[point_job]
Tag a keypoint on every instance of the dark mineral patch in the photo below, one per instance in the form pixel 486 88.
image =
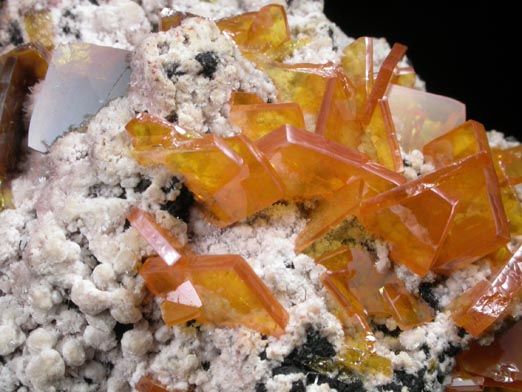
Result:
pixel 209 62
pixel 173 69
pixel 15 33
pixel 180 207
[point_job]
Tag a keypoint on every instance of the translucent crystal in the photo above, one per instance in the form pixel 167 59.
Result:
pixel 147 384
pixel 382 81
pixel 243 98
pixel 499 363
pixel 510 164
pixel 329 212
pixel 173 20
pixel 337 119
pixel 310 166
pixel 166 245
pixel 357 63
pixel 484 303
pixel 404 76
pixel 259 31
pixel 78 76
pixel 181 305
pixel 360 289
pixel 257 120
pixel 420 117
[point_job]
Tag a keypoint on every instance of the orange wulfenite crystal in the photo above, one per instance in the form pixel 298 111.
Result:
pixel 147 384
pixel 330 212
pixel 181 305
pixel 380 140
pixel 510 164
pixel 167 246
pixel 230 291
pixel 310 166
pixel 421 116
pixel 149 131
pixel 257 120
pixel 242 98
pixel 259 31
pixel 484 303
pixel 357 63
pixel 337 119
pixel 500 362
pixel 382 81
pixel 362 290
pixel 173 20
pixel 415 233
pixel 404 76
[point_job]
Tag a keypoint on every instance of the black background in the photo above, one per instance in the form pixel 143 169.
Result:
pixel 467 53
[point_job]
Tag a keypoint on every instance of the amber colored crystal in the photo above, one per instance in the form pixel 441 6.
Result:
pixel 19 69
pixel 380 141
pixel 499 258
pixel 173 20
pixel 414 233
pixel 256 187
pixel 309 165
pixel 484 303
pixel 479 217
pixel 407 311
pixel 149 131
pixel 243 98
pixel 147 384
pixel 257 120
pixel 500 363
pixel 356 355
pixel 329 212
pixel 158 277
pixel 421 116
pixel 357 63
pixel 232 294
pixel 337 119
pixel 181 305
pixel 382 81
pixel 509 162
pixel 362 290
pixel 39 27
pixel 461 142
pixel 304 84
pixel 404 76
pixel 259 31
pixel 207 164
pixel 165 244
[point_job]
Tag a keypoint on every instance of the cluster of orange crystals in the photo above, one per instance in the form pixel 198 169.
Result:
pixel 346 158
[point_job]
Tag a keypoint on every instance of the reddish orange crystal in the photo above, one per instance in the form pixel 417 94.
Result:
pixel 510 164
pixel 330 212
pixel 500 362
pixel 361 290
pixel 173 20
pixel 311 166
pixel 149 131
pixel 181 305
pixel 243 98
pixel 259 31
pixel 484 303
pixel 167 246
pixel 147 384
pixel 257 120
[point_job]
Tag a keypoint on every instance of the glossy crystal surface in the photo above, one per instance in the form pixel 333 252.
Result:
pixel 39 27
pixel 258 31
pixel 76 76
pixel 181 305
pixel 361 290
pixel 259 119
pixel 499 363
pixel 422 116
pixel 20 68
pixel 484 303
pixel 147 384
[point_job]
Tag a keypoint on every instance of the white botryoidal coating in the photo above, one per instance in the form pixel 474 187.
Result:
pixel 40 339
pixel 136 342
pixel 11 337
pixel 73 352
pixel 99 339
pixel 45 368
